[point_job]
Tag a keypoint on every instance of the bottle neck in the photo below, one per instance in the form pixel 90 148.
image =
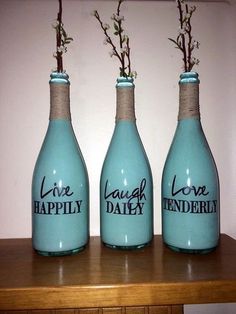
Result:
pixel 189 96
pixel 59 98
pixel 125 109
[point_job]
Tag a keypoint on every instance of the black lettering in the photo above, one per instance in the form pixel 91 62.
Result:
pixel 136 195
pixel 191 207
pixel 109 207
pixel 59 205
pixel 78 206
pixel 124 208
pixel 36 207
pixel 57 208
pixel 117 209
pixel 51 206
pixel 56 191
pixel 187 190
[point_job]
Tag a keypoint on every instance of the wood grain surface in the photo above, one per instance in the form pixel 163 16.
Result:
pixel 99 277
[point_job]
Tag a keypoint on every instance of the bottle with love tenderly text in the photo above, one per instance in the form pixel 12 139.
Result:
pixel 126 188
pixel 60 187
pixel 190 184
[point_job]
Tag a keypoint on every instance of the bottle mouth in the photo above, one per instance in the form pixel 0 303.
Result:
pixel 189 77
pixel 125 82
pixel 59 78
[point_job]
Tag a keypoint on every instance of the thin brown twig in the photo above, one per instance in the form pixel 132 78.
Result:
pixel 108 38
pixel 123 41
pixel 58 42
pixel 184 41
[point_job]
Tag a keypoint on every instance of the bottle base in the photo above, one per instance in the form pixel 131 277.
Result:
pixel 126 247
pixel 61 253
pixel 190 251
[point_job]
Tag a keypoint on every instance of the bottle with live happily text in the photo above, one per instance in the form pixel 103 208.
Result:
pixel 190 184
pixel 126 188
pixel 60 187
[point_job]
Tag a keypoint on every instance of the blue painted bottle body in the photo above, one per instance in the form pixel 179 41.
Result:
pixel 60 187
pixel 190 184
pixel 126 188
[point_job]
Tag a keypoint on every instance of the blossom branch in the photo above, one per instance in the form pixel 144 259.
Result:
pixel 120 31
pixel 123 52
pixel 108 39
pixel 184 41
pixel 62 39
pixel 58 39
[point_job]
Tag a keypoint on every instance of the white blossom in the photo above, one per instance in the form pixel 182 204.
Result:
pixel 94 12
pixel 193 8
pixel 55 24
pixel 194 61
pixel 105 42
pixel 134 74
pixel 124 49
pixel 61 49
pixel 182 31
pixel 121 18
pixel 196 44
pixel 187 16
pixel 117 17
pixel 112 53
pixel 125 38
pixel 113 17
pixel 106 26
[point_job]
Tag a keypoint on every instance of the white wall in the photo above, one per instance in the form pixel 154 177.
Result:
pixel 26 48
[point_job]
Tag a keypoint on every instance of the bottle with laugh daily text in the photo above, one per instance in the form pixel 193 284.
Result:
pixel 126 187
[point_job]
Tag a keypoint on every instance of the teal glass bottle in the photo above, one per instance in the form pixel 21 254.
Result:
pixel 190 184
pixel 126 188
pixel 60 187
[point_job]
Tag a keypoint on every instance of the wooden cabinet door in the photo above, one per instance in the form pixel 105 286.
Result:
pixel 170 309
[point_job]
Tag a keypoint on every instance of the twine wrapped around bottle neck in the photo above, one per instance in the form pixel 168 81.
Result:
pixel 125 103
pixel 59 101
pixel 189 101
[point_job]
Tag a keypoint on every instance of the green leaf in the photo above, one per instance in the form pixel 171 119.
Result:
pixel 116 27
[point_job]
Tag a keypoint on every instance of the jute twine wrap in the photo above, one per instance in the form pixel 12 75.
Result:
pixel 125 103
pixel 189 101
pixel 60 101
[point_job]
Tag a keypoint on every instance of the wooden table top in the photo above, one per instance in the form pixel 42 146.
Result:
pixel 99 276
